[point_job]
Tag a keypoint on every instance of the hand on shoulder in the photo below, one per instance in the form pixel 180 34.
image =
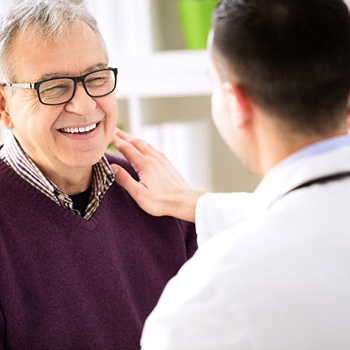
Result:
pixel 161 189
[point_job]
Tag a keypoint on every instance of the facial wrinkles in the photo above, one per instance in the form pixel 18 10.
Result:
pixel 26 98
pixel 32 104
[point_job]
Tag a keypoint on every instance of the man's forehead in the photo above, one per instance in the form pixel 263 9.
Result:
pixel 59 74
pixel 58 55
pixel 37 33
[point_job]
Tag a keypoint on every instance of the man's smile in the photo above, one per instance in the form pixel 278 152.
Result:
pixel 79 130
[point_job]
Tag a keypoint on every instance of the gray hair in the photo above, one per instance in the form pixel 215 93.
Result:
pixel 48 19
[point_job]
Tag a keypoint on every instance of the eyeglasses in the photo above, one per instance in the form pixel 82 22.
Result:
pixel 57 91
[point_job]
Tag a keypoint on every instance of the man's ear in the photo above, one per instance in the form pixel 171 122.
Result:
pixel 4 110
pixel 241 104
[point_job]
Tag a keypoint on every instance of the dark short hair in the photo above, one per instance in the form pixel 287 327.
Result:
pixel 291 56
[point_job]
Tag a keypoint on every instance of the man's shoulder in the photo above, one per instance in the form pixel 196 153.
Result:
pixel 116 159
pixel 120 160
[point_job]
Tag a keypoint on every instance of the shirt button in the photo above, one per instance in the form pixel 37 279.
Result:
pixel 61 197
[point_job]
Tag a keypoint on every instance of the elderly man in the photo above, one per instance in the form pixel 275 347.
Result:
pixel 81 265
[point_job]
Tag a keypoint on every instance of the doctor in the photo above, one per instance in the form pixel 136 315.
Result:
pixel 272 268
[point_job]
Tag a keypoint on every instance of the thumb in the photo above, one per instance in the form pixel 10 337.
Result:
pixel 135 189
pixel 124 179
pixel 121 176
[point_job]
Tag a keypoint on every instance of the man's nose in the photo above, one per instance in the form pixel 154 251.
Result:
pixel 81 102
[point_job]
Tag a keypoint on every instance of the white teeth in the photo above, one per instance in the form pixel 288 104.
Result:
pixel 79 130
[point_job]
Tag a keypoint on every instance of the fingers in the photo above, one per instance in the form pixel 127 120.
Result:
pixel 124 179
pixel 142 146
pixel 121 176
pixel 136 151
pixel 137 190
pixel 161 190
pixel 121 135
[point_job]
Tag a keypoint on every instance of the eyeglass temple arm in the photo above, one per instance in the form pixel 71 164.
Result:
pixel 19 85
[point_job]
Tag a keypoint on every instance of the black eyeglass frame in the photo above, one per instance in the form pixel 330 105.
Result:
pixel 76 80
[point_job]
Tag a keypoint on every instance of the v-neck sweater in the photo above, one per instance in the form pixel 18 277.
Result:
pixel 71 283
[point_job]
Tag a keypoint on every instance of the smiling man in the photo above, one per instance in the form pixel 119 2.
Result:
pixel 81 265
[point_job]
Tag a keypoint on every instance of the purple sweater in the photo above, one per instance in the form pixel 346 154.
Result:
pixel 69 283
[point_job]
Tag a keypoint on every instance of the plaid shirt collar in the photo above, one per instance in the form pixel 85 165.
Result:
pixel 102 177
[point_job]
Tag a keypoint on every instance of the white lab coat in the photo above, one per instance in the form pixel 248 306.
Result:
pixel 277 277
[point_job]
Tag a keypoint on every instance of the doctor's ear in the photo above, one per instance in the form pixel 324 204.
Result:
pixel 4 112
pixel 241 103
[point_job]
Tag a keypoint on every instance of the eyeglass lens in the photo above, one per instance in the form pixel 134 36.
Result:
pixel 61 90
